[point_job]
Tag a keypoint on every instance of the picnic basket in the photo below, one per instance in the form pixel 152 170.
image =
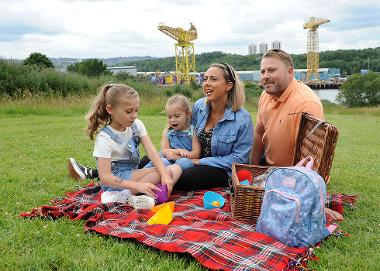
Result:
pixel 315 138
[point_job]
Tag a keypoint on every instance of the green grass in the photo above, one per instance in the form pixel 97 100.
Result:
pixel 34 147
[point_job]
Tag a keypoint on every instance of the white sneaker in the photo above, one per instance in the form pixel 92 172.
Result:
pixel 141 202
pixel 76 170
pixel 115 196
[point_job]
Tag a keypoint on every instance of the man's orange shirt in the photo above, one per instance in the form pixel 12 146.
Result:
pixel 281 125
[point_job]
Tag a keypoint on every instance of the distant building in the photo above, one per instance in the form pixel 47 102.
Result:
pixel 132 70
pixel 276 44
pixel 249 75
pixel 325 74
pixel 263 48
pixel 252 49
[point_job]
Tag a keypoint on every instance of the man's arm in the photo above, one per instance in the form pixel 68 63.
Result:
pixel 258 145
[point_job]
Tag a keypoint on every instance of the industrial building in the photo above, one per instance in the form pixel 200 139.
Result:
pixel 132 70
pixel 325 74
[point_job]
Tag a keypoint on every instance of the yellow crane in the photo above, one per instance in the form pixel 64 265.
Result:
pixel 313 47
pixel 184 50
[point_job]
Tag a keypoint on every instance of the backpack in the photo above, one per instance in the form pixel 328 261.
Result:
pixel 293 206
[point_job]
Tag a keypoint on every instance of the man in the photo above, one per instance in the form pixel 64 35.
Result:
pixel 278 119
pixel 279 110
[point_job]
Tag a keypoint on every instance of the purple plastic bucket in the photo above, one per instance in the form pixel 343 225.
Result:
pixel 162 196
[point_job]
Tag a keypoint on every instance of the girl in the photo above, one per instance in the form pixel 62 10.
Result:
pixel 116 148
pixel 178 140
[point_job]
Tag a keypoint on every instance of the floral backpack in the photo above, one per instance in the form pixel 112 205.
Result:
pixel 293 206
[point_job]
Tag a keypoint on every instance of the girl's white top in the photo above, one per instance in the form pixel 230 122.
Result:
pixel 106 147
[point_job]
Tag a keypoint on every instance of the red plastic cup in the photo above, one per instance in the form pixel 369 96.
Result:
pixel 162 196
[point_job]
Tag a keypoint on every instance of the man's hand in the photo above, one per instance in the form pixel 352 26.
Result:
pixel 333 215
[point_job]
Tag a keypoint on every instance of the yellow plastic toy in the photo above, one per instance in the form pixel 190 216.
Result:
pixel 158 207
pixel 163 216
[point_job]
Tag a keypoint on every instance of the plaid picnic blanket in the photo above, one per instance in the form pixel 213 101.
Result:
pixel 212 237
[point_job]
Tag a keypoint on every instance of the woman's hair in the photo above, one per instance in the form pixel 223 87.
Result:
pixel 109 94
pixel 236 95
pixel 182 101
pixel 281 55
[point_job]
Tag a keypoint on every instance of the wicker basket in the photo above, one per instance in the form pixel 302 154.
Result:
pixel 315 138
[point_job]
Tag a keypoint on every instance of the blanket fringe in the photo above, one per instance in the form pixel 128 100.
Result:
pixel 300 264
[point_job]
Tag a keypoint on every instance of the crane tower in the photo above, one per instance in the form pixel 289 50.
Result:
pixel 184 50
pixel 313 47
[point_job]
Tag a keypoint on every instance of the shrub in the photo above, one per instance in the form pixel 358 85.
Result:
pixel 39 60
pixel 360 90
pixel 252 89
pixel 16 79
pixel 90 67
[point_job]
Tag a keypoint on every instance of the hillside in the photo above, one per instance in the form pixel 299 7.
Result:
pixel 349 61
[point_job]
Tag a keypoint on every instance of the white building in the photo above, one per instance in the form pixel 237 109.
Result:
pixel 252 49
pixel 132 70
pixel 276 44
pixel 263 48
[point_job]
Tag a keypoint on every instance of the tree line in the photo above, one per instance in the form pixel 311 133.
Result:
pixel 349 61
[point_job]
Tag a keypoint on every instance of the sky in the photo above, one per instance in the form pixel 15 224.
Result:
pixel 114 28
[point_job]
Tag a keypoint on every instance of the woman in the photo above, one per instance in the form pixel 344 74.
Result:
pixel 223 127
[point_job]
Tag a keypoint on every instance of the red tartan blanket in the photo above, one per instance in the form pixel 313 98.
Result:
pixel 212 237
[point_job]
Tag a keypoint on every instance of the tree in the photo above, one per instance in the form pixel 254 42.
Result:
pixel 361 90
pixel 90 67
pixel 38 59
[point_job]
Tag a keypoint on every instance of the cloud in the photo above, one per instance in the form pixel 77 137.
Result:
pixel 71 28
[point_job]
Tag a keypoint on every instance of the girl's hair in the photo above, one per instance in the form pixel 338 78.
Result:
pixel 236 95
pixel 109 94
pixel 182 101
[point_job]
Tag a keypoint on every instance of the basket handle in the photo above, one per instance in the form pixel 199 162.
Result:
pixel 309 160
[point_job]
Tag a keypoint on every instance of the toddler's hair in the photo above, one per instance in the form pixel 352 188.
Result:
pixel 181 100
pixel 109 94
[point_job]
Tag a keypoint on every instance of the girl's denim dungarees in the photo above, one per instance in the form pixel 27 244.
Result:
pixel 178 140
pixel 123 168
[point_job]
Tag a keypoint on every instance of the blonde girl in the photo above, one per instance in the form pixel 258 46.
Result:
pixel 116 150
pixel 178 139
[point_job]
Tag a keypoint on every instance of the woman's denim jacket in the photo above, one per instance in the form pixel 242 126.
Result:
pixel 232 136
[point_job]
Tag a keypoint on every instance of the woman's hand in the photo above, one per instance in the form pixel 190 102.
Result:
pixel 147 189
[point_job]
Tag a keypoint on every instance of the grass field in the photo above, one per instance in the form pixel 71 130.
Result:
pixel 37 137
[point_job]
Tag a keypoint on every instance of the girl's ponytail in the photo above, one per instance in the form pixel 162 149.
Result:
pixel 98 114
pixel 109 94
